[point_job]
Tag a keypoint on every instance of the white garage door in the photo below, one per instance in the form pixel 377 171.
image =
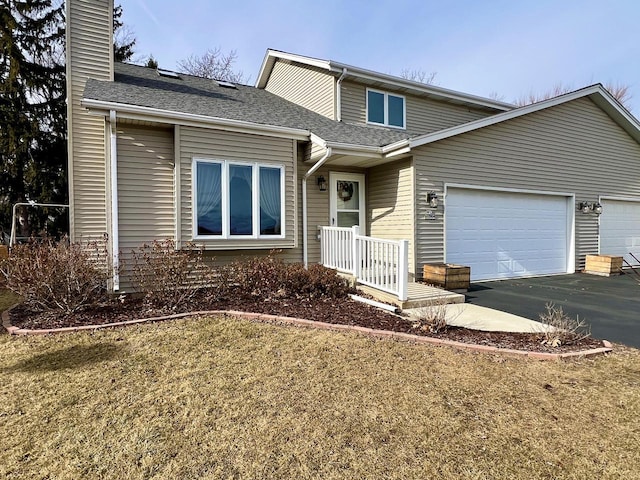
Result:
pixel 506 235
pixel 620 229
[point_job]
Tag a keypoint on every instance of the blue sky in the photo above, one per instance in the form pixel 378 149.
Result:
pixel 510 48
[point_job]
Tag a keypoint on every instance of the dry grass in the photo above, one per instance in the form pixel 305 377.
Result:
pixel 224 398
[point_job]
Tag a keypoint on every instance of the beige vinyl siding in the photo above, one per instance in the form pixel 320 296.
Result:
pixel 145 189
pixel 424 115
pixel 222 145
pixel 571 148
pixel 305 85
pixel 89 55
pixel 390 204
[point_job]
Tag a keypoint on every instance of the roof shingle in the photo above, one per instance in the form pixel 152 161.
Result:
pixel 141 86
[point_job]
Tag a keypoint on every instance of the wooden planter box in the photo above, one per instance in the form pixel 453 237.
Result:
pixel 447 275
pixel 4 252
pixel 604 265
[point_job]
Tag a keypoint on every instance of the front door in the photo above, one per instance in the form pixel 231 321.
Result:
pixel 347 200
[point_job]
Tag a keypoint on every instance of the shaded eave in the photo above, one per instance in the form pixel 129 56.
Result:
pixel 379 80
pixel 596 93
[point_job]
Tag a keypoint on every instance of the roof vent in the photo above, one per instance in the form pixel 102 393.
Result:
pixel 222 83
pixel 167 73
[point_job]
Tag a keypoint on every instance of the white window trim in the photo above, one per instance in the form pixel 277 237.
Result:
pixel 255 202
pixel 386 109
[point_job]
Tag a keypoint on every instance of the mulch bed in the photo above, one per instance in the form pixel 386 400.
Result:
pixel 337 311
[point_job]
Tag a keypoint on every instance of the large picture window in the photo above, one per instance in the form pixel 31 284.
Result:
pixel 385 109
pixel 238 200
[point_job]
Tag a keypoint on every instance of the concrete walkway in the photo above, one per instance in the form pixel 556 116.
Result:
pixel 482 318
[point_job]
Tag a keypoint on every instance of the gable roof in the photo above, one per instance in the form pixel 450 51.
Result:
pixel 597 93
pixel 140 90
pixel 379 80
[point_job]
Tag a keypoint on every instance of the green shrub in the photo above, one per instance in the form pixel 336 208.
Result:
pixel 58 276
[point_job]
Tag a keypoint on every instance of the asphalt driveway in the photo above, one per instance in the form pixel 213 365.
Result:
pixel 611 305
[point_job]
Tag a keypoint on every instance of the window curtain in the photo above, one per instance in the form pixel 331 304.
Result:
pixel 209 190
pixel 270 198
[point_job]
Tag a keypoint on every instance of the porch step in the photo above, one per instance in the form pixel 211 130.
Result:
pixel 419 295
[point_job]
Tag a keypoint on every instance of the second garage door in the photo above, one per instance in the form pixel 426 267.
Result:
pixel 507 234
pixel 620 229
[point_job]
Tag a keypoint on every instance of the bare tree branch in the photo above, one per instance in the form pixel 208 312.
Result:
pixel 213 64
pixel 619 91
pixel 417 75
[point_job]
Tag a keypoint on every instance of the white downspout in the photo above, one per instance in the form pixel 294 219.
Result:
pixel 315 167
pixel 339 95
pixel 115 243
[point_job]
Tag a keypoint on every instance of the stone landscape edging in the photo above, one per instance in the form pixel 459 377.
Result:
pixel 301 322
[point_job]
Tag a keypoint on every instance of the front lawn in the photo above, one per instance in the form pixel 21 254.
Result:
pixel 226 398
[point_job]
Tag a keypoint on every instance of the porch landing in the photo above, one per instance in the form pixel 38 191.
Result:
pixel 418 295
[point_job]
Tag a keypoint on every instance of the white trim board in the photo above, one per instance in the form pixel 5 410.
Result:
pixel 597 93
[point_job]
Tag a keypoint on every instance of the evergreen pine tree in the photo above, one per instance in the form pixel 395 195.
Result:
pixel 32 107
pixel 123 38
pixel 33 114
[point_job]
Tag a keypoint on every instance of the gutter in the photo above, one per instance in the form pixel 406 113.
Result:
pixel 339 95
pixel 115 235
pixel 137 112
pixel 313 169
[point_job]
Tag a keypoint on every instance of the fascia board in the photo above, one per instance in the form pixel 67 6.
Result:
pixel 317 140
pixel 390 150
pixel 429 89
pixel 352 149
pixel 272 55
pixel 595 91
pixel 136 112
pixel 357 72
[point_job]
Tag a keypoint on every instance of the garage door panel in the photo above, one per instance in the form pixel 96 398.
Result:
pixel 505 234
pixel 620 229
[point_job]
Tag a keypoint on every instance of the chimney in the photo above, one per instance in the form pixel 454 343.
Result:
pixel 89 54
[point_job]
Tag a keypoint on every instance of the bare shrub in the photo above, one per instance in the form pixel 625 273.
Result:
pixel 57 275
pixel 564 330
pixel 270 276
pixel 168 277
pixel 432 317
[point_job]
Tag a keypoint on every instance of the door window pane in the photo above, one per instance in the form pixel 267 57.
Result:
pixel 375 107
pixel 270 201
pixel 348 197
pixel 209 198
pixel 240 200
pixel 348 219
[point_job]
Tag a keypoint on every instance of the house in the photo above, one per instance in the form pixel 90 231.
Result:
pixel 320 146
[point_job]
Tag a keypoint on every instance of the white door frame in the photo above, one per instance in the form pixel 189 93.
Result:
pixel 356 177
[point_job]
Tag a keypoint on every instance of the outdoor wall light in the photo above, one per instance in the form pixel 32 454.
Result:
pixel 597 208
pixel 584 207
pixel 432 199
pixel 322 184
pixel 587 207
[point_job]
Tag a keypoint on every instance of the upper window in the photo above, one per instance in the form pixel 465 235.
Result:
pixel 238 200
pixel 385 109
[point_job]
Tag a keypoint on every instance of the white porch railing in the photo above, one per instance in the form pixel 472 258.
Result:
pixel 378 263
